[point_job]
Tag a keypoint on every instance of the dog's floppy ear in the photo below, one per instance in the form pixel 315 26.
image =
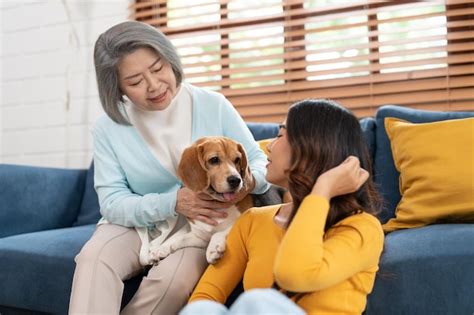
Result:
pixel 191 169
pixel 245 171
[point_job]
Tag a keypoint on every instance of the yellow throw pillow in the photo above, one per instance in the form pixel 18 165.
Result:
pixel 263 145
pixel 436 165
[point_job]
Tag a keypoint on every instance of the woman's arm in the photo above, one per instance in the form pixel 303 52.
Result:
pixel 307 261
pixel 220 279
pixel 118 204
pixel 310 259
pixel 235 128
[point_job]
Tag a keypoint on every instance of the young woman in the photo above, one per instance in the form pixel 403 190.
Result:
pixel 321 252
pixel 151 116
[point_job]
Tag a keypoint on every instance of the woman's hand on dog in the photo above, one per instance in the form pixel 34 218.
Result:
pixel 343 179
pixel 199 206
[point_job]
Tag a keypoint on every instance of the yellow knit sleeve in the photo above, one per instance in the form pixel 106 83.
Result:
pixel 308 260
pixel 220 279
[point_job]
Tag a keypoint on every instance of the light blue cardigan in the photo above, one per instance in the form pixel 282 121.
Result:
pixel 134 189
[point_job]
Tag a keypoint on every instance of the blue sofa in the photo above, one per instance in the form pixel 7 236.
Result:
pixel 46 216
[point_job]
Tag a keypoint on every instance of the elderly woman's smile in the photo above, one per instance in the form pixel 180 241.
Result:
pixel 147 80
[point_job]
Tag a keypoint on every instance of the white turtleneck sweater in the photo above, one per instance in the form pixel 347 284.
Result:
pixel 158 128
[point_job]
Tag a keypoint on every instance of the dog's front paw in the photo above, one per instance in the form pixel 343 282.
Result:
pixel 153 252
pixel 215 251
pixel 159 253
pixel 154 257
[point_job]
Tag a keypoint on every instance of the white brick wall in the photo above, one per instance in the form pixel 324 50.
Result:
pixel 48 94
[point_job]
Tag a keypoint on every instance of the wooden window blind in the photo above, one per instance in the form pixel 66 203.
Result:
pixel 265 55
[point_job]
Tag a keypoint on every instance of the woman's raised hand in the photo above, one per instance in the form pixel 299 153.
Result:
pixel 343 179
pixel 199 206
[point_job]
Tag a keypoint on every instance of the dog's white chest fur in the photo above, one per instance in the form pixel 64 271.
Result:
pixel 198 234
pixel 205 230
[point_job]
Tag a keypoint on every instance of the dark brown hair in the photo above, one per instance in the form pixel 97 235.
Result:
pixel 322 134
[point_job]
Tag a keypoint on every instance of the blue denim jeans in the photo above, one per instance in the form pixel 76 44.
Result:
pixel 252 302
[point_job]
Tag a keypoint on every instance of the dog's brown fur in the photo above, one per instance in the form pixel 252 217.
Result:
pixel 218 167
pixel 198 172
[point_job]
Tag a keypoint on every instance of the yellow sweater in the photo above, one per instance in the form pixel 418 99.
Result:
pixel 336 270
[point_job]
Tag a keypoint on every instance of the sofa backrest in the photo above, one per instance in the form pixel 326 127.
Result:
pixel 38 198
pixel 385 174
pixel 89 211
pixel 368 128
pixel 261 131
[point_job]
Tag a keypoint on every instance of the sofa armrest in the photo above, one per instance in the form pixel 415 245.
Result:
pixel 38 198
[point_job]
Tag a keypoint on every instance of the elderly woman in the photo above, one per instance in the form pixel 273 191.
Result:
pixel 152 115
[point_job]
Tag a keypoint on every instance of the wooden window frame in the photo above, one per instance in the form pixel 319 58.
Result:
pixel 456 76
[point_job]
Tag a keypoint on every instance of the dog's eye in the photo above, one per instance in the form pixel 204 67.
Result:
pixel 237 161
pixel 214 160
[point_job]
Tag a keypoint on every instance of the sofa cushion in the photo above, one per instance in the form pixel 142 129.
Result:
pixel 38 198
pixel 37 268
pixel 386 176
pixel 89 212
pixel 426 270
pixel 435 161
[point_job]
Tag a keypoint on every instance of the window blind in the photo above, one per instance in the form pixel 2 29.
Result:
pixel 265 55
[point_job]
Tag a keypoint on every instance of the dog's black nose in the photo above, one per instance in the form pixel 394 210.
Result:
pixel 233 181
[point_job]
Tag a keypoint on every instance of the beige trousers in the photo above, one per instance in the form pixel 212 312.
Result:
pixel 111 256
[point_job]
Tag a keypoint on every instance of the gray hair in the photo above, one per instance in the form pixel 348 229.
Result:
pixel 118 41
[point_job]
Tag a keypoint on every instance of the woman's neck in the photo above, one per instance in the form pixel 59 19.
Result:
pixel 283 215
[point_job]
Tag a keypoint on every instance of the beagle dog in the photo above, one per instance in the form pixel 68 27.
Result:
pixel 218 167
